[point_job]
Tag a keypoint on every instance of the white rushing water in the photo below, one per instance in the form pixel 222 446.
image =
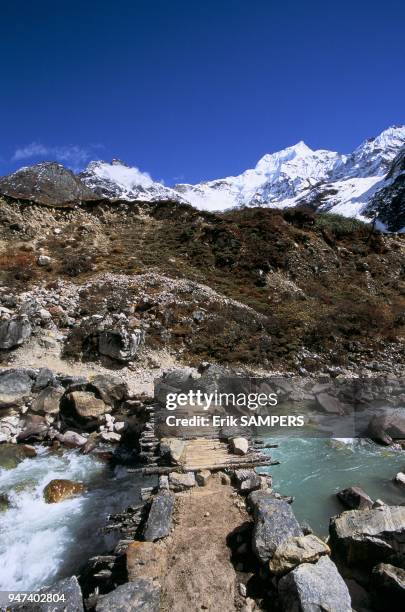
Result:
pixel 40 542
pixel 34 535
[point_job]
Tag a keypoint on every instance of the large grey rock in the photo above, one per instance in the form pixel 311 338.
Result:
pixel 48 400
pixel 120 343
pixel 355 498
pixel 240 446
pixel 174 448
pixel 10 427
pixel 247 480
pixel 35 428
pixel 274 523
pixel 369 536
pixel 182 482
pixel 14 332
pixel 294 551
pixel 111 389
pixel 44 379
pixel 69 588
pixel 388 426
pixel 46 183
pixel 389 581
pixel 72 439
pixel 313 587
pixel 330 404
pixel 159 521
pixel 140 595
pixel 15 387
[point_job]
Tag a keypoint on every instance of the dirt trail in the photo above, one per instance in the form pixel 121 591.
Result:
pixel 200 575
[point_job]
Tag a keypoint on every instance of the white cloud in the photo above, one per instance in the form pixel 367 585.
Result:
pixel 72 155
pixel 125 176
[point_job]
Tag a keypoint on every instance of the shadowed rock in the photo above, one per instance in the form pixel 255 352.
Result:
pixel 159 520
pixel 14 332
pixel 15 386
pixel 369 536
pixel 69 588
pixel 355 498
pixel 46 183
pixel 274 523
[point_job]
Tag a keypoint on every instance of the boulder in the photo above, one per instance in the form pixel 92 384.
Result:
pixel 314 586
pixel 110 436
pixel 12 454
pixel 294 551
pixel 44 260
pixel 159 521
pixel 59 489
pixel 174 448
pixel 15 387
pixel 71 439
pixel 389 582
pixel 45 378
pixel 387 426
pixel 174 381
pixel 140 595
pixel 240 446
pixel 120 344
pixel 87 405
pixel 111 389
pixel 48 400
pixel 181 482
pixel 10 427
pixel 247 480
pixel 355 498
pixel 274 523
pixel 400 478
pixel 203 478
pixel 145 560
pixel 69 588
pixel 330 404
pixel 14 332
pixel 35 428
pixel 369 536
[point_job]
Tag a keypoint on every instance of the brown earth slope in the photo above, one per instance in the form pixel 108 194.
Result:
pixel 330 290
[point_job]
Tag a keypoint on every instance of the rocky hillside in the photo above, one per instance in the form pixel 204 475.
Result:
pixel 289 290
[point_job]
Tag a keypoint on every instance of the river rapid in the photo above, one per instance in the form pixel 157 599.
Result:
pixel 41 543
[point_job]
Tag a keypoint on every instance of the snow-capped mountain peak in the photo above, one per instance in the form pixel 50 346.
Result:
pixel 322 179
pixel 276 177
pixel 118 181
pixel 271 161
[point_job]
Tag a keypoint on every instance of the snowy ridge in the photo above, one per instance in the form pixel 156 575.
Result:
pixel 322 179
pixel 117 181
pixel 358 184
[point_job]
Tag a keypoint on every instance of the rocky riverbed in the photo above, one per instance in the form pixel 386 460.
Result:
pixel 76 450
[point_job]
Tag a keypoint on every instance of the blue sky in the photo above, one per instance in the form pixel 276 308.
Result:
pixel 189 90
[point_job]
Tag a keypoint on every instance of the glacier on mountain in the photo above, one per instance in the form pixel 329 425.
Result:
pixel 297 175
